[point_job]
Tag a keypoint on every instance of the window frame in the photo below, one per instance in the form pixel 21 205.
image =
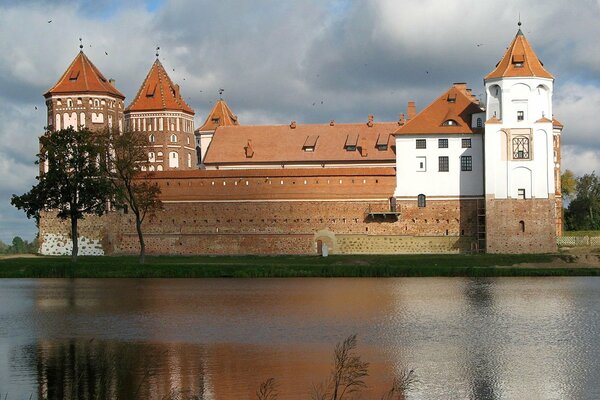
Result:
pixel 420 144
pixel 443 164
pixel 466 163
pixel 466 143
pixel 443 143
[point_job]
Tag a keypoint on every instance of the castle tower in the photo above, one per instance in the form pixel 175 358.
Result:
pixel 84 97
pixel 521 154
pixel 159 112
pixel 220 115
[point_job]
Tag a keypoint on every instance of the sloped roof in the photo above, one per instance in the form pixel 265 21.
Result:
pixel 283 144
pixel 556 123
pixel 159 93
pixel 519 60
pixel 456 104
pixel 220 115
pixel 82 76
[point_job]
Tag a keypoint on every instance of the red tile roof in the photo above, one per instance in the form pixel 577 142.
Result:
pixel 301 143
pixel 83 77
pixel 519 60
pixel 556 123
pixel 159 93
pixel 221 115
pixel 456 105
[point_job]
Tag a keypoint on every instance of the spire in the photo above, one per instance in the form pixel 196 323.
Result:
pixel 220 115
pixel 83 77
pixel 159 93
pixel 519 60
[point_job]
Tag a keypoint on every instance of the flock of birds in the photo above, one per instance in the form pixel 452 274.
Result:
pixel 222 90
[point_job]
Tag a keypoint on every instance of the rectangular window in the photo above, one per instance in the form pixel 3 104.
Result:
pixel 421 144
pixel 421 164
pixel 466 143
pixel 443 164
pixel 520 115
pixel 521 193
pixel 466 163
pixel 443 143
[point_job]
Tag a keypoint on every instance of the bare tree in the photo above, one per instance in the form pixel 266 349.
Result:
pixel 267 390
pixel 126 154
pixel 347 375
pixel 403 383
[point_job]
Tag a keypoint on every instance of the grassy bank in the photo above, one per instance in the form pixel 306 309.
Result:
pixel 292 266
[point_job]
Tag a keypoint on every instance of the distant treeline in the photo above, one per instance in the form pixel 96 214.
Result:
pixel 19 246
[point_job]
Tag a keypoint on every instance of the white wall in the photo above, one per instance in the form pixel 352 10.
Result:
pixel 505 175
pixel 412 181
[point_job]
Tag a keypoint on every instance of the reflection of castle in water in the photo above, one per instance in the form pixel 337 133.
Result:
pixel 91 369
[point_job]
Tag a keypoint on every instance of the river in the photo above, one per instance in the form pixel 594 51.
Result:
pixel 465 338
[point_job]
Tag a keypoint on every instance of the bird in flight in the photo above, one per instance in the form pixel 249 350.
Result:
pixel 36 107
pixel 106 53
pixel 49 21
pixel 480 44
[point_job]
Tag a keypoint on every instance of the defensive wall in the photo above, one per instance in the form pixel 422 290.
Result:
pixel 278 211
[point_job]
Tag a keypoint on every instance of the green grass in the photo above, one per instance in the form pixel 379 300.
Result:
pixel 581 233
pixel 286 266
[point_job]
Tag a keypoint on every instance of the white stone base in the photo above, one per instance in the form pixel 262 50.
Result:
pixel 61 245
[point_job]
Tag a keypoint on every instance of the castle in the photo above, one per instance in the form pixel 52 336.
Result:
pixel 455 177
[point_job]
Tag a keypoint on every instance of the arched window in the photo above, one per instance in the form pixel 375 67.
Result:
pixel 421 201
pixel 520 146
pixel 151 138
pixel 173 160
pixel 173 138
pixel 522 226
pixel 69 103
pixel 159 168
pixel 96 103
pixel 189 160
pixel 151 157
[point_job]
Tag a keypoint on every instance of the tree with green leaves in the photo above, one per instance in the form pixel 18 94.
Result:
pixel 584 209
pixel 126 154
pixel 70 182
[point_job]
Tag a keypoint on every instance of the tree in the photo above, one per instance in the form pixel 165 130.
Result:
pixel 126 154
pixel 568 183
pixel 70 182
pixel 584 210
pixel 19 246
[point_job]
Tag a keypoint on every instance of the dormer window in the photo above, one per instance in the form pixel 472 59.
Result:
pixel 382 141
pixel 215 120
pixel 351 142
pixel 450 122
pixel 518 60
pixel 451 98
pixel 310 143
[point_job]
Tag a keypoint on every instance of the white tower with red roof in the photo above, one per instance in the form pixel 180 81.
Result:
pixel 522 154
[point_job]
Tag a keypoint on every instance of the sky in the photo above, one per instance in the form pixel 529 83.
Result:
pixel 278 60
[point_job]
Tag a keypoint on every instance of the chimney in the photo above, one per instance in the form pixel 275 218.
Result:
pixel 112 81
pixel 462 86
pixel 176 90
pixel 411 110
pixel 249 150
pixel 402 120
pixel 371 118
pixel 363 146
pixel 293 125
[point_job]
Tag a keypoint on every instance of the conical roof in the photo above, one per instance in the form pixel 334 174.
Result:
pixel 159 93
pixel 221 115
pixel 519 60
pixel 82 76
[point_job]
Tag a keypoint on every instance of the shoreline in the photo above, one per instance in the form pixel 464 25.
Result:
pixel 571 262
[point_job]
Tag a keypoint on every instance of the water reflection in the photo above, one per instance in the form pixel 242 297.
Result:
pixel 219 339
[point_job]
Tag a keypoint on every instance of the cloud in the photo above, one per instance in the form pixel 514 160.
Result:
pixel 278 60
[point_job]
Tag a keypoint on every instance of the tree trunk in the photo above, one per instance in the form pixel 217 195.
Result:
pixel 74 239
pixel 138 226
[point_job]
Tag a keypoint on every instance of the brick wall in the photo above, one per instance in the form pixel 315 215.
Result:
pixel 521 226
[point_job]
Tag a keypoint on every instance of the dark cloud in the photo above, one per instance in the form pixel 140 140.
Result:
pixel 276 58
